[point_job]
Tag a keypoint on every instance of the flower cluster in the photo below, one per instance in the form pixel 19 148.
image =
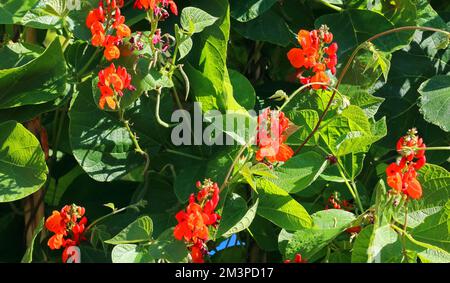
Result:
pixel 402 176
pixel 108 28
pixel 272 126
pixel 316 54
pixel 159 7
pixel 68 226
pixel 194 222
pixel 298 259
pixel 111 83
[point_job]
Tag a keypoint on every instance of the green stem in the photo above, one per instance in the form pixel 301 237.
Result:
pixel 353 191
pixel 89 62
pixel 348 64
pixel 235 162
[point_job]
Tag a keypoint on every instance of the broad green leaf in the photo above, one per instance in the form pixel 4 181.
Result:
pixel 399 12
pixel 300 171
pixel 57 187
pixel 306 119
pixel 351 132
pixel 199 19
pixel 129 253
pixel 435 229
pixel 210 67
pixel 245 11
pixel 201 169
pixel 23 170
pixel 269 27
pixel 435 101
pixel 243 91
pixel 361 98
pixel 375 246
pixel 39 81
pixel 15 54
pixel 11 11
pixel 435 182
pixel 140 230
pixel 167 248
pixel 100 141
pixel 28 256
pixel 236 216
pixel 46 14
pixel 277 206
pixel 332 219
pixel 265 233
pixel 184 41
pixel 327 225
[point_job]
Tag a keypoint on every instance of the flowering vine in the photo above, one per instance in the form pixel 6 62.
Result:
pixel 194 222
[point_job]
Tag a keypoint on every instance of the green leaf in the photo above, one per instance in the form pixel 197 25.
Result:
pixel 199 19
pixel 306 119
pixel 269 27
pixel 435 229
pixel 244 93
pixel 46 14
pixel 15 54
pixel 140 230
pixel 435 101
pixel 381 245
pixel 327 225
pixel 332 219
pixel 129 253
pixel 101 143
pixel 361 98
pixel 39 81
pixel 11 12
pixel 300 171
pixel 399 12
pixel 245 11
pixel 277 206
pixel 209 77
pixel 28 256
pixel 435 182
pixel 167 248
pixel 23 170
pixel 351 132
pixel 236 216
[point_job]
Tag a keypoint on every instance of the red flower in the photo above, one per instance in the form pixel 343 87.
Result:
pixel 194 222
pixel 111 81
pixel 68 226
pixel 271 137
pixel 402 177
pixel 155 5
pixel 313 57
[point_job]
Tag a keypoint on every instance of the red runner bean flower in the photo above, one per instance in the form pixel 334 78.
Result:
pixel 157 6
pixel 316 54
pixel 68 226
pixel 402 176
pixel 111 83
pixel 194 222
pixel 272 126
pixel 104 22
